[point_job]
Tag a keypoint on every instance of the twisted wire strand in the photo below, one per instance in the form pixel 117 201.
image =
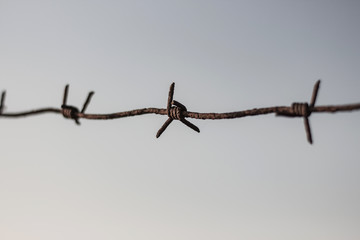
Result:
pixel 177 111
pixel 195 115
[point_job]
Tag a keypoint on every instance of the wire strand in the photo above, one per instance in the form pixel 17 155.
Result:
pixel 182 113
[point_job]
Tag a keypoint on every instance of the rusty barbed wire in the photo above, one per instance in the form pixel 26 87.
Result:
pixel 177 111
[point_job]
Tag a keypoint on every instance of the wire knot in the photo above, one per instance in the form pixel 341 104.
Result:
pixel 175 111
pixel 70 112
pixel 300 109
pixel 178 111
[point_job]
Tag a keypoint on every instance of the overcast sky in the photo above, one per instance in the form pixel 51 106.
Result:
pixel 249 178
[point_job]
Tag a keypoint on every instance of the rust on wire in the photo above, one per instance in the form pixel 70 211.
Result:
pixel 177 111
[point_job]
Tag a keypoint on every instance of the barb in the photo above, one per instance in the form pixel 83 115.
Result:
pixel 2 105
pixel 72 112
pixel 303 110
pixel 177 111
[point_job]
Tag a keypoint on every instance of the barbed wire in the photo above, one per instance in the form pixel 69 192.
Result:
pixel 177 111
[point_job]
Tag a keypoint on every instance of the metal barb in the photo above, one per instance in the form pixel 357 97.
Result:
pixel 170 98
pixel 311 106
pixel 68 111
pixel 176 103
pixel 2 103
pixel 302 110
pixel 72 112
pixel 66 91
pixel 315 93
pixel 308 130
pixel 175 110
pixel 190 125
pixel 163 127
pixel 87 101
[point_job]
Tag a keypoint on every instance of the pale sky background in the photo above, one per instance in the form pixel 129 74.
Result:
pixel 250 178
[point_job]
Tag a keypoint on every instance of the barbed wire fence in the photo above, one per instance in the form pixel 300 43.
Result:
pixel 177 111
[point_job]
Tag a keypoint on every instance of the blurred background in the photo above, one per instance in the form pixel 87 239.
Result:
pixel 249 178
